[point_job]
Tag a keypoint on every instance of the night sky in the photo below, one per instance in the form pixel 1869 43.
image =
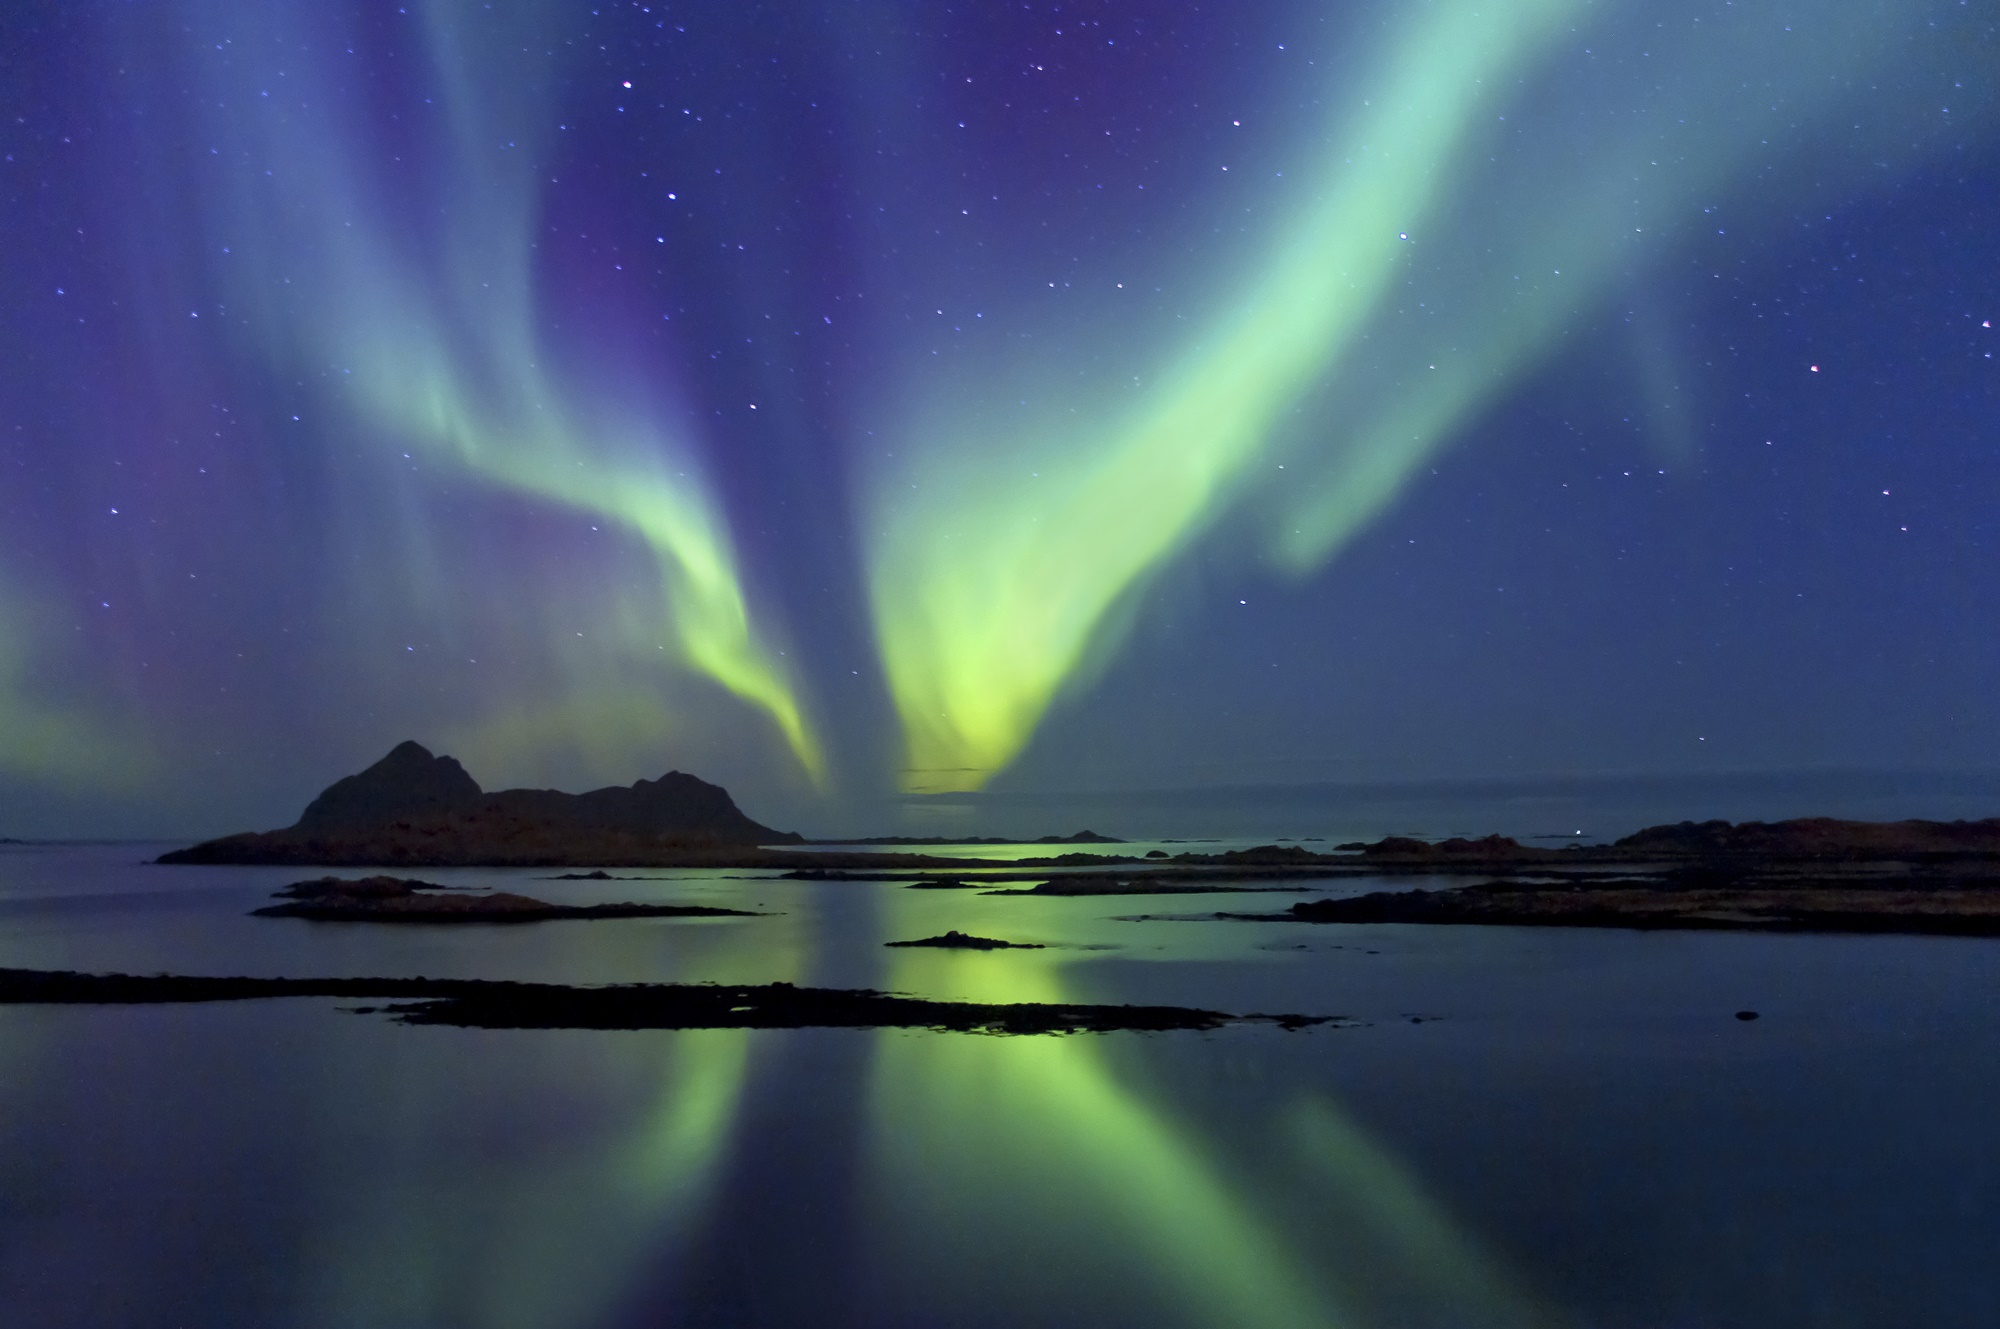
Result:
pixel 866 404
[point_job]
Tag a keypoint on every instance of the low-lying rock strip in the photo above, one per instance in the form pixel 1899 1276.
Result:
pixel 485 1004
pixel 404 900
pixel 959 941
pixel 1160 884
pixel 1837 906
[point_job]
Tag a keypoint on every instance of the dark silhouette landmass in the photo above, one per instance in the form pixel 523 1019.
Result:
pixel 1080 837
pixel 1826 906
pixel 1819 840
pixel 418 809
pixel 398 900
pixel 959 941
pixel 415 809
pixel 482 1004
pixel 1158 883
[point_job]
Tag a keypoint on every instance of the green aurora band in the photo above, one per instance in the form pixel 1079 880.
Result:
pixel 1004 568
pixel 1438 252
pixel 438 350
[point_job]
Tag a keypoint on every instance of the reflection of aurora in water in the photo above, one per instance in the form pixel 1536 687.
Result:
pixel 982 1157
pixel 1081 1175
pixel 1586 1137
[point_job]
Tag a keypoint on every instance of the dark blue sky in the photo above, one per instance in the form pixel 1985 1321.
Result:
pixel 874 403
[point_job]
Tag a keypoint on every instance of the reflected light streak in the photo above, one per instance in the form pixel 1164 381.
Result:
pixel 1106 1179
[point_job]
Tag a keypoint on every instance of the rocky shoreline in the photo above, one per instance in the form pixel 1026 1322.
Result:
pixel 400 900
pixel 1836 906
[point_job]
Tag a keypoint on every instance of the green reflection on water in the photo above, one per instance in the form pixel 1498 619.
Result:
pixel 1040 1157
pixel 559 1233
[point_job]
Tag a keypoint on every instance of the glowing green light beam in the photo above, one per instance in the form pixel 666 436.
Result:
pixel 989 586
pixel 438 346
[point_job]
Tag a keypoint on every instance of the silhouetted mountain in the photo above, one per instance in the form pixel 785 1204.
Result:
pixel 409 782
pixel 413 808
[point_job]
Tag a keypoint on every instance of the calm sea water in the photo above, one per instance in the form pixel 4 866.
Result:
pixel 1578 1132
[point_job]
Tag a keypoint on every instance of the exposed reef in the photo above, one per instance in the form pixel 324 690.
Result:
pixel 481 1004
pixel 959 941
pixel 1159 883
pixel 398 900
pixel 1080 837
pixel 1839 905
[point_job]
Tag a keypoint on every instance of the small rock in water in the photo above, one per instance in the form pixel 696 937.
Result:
pixel 1746 1015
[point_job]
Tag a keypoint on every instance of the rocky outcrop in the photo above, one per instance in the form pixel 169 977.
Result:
pixel 1829 906
pixel 399 900
pixel 959 941
pixel 1819 837
pixel 414 809
pixel 484 1004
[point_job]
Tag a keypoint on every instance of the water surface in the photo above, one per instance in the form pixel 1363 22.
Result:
pixel 1525 1127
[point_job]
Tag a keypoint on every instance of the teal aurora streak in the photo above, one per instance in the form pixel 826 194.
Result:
pixel 376 214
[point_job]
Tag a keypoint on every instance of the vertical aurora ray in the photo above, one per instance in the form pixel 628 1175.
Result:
pixel 989 586
pixel 1001 564
pixel 1502 298
pixel 431 334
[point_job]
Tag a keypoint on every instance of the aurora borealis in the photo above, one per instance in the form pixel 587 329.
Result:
pixel 859 402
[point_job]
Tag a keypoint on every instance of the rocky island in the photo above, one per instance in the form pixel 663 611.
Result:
pixel 1800 907
pixel 398 900
pixel 416 809
pixel 1813 874
pixel 488 1004
pixel 959 941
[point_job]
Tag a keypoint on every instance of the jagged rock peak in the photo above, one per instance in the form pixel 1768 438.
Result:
pixel 409 780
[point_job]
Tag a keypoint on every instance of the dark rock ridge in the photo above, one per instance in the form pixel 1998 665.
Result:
pixel 399 900
pixel 1080 837
pixel 959 941
pixel 414 808
pixel 1153 883
pixel 1820 837
pixel 1837 905
pixel 483 1004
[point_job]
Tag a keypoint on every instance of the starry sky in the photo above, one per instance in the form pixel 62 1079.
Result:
pixel 900 413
